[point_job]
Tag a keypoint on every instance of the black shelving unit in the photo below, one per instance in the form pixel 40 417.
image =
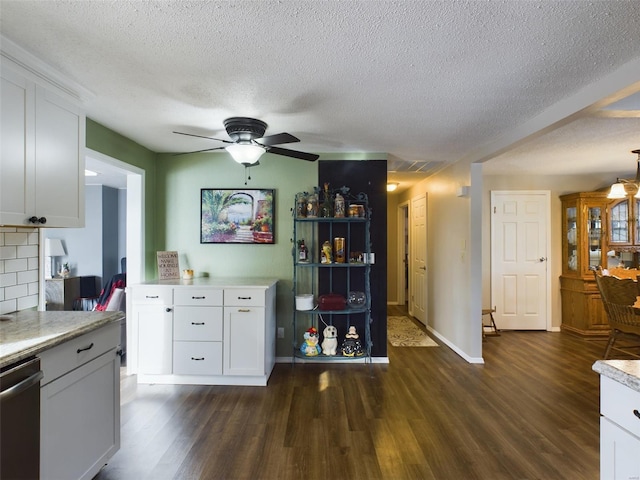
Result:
pixel 317 278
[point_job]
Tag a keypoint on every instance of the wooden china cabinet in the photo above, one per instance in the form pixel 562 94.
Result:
pixel 584 248
pixel 597 232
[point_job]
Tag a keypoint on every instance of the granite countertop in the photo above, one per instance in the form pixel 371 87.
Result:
pixel 626 372
pixel 216 282
pixel 27 333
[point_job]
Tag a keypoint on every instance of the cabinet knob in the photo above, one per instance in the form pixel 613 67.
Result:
pixel 636 413
pixel 42 220
pixel 167 309
pixel 33 219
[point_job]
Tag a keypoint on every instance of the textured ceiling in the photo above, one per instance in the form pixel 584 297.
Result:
pixel 427 82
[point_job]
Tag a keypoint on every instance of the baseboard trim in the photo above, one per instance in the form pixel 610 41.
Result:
pixel 478 360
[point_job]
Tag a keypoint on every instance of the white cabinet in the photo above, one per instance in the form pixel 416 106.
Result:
pixel 155 339
pixel 80 405
pixel 197 331
pixel 205 332
pixel 153 329
pixel 42 153
pixel 244 337
pixel 619 431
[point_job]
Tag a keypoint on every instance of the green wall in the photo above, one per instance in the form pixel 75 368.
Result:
pixel 179 180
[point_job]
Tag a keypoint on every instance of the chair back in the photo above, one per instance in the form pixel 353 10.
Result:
pixel 619 291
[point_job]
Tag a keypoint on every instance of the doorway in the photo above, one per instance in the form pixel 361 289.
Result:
pixel 402 275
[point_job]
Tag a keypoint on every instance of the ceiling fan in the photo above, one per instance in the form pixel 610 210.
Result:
pixel 248 142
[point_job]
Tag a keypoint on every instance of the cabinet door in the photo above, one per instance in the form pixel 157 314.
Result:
pixel 619 449
pixel 59 161
pixel 80 420
pixel 155 338
pixel 620 223
pixel 244 341
pixel 17 148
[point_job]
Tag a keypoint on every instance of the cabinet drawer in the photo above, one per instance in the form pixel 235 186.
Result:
pixel 70 355
pixel 197 358
pixel 244 297
pixel 197 323
pixel 618 403
pixel 197 296
pixel 153 295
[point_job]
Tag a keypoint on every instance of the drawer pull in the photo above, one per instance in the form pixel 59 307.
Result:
pixel 198 298
pixel 197 359
pixel 151 296
pixel 244 298
pixel 636 413
pixel 85 348
pixel 244 309
pixel 197 323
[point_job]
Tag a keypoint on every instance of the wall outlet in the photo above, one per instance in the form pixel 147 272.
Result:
pixel 280 332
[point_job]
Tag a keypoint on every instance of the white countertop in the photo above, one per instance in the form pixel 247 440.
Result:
pixel 626 372
pixel 231 282
pixel 27 333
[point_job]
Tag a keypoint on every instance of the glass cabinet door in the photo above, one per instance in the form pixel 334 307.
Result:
pixel 594 233
pixel 620 233
pixel 572 239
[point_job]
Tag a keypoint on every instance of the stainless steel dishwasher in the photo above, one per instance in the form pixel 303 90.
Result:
pixel 20 420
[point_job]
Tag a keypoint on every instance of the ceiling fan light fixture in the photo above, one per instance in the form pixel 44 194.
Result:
pixel 245 154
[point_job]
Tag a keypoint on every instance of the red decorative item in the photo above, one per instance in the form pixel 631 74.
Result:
pixel 331 301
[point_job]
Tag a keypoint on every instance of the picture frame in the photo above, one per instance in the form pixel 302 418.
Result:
pixel 245 216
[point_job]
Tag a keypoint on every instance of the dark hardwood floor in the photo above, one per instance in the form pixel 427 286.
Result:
pixel 530 412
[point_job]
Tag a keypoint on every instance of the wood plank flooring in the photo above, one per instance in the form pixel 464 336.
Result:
pixel 530 412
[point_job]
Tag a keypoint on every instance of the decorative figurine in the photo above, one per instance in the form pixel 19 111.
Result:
pixel 330 342
pixel 351 345
pixel 326 255
pixel 64 270
pixel 310 346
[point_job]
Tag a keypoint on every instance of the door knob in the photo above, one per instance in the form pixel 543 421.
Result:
pixel 542 259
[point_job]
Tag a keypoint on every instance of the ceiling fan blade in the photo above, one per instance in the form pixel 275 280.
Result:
pixel 199 151
pixel 202 136
pixel 310 157
pixel 277 139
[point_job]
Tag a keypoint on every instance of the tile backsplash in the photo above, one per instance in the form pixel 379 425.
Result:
pixel 18 268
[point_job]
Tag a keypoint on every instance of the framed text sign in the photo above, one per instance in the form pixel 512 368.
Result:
pixel 168 265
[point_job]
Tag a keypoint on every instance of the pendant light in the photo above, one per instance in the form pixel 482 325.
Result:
pixel 618 189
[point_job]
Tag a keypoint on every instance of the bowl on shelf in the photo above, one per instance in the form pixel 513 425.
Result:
pixel 356 299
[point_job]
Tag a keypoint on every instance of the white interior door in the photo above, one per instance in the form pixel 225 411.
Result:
pixel 418 260
pixel 519 250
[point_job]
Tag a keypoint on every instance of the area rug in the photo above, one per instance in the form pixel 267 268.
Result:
pixel 402 332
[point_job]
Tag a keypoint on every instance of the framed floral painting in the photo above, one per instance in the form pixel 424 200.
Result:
pixel 237 216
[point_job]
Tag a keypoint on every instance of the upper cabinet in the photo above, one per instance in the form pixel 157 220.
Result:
pixel 42 152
